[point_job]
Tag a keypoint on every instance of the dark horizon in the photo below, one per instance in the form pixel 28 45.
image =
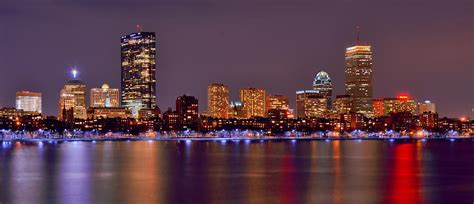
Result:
pixel 279 46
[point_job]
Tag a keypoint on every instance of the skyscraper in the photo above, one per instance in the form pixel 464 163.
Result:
pixel 187 109
pixel 73 99
pixel 105 97
pixel 28 101
pixel 359 77
pixel 218 100
pixel 322 84
pixel 138 71
pixel 254 100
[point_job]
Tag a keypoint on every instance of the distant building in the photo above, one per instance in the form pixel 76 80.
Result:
pixel 400 104
pixel 105 97
pixel 278 102
pixel 254 100
pixel 217 100
pixel 310 104
pixel 72 101
pixel 138 80
pixel 426 107
pixel 187 110
pixel 378 107
pixel 322 84
pixel 108 112
pixel 28 101
pixel 359 77
pixel 149 113
pixel 343 104
pixel 170 120
pixel 237 110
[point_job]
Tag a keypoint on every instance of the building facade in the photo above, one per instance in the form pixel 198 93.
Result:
pixel 310 104
pixel 28 101
pixel 398 105
pixel 254 100
pixel 138 79
pixel 187 110
pixel 359 78
pixel 378 107
pixel 218 100
pixel 278 102
pixel 72 100
pixel 323 85
pixel 104 97
pixel 343 104
pixel 237 110
pixel 108 112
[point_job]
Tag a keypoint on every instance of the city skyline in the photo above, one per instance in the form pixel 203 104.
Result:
pixel 287 75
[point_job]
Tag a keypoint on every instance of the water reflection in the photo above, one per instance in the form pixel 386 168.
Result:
pixel 237 172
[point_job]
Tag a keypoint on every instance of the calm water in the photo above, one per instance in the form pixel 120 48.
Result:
pixel 238 172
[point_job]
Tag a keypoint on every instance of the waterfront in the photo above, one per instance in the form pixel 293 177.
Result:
pixel 238 171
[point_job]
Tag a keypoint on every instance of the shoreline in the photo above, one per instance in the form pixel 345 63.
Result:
pixel 187 139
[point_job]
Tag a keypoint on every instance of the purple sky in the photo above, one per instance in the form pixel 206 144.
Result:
pixel 423 47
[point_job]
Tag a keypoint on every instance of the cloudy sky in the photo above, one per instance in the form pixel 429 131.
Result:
pixel 421 47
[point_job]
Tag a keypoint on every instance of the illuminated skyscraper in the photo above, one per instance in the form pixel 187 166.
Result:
pixel 28 101
pixel 426 107
pixel 322 84
pixel 73 99
pixel 359 77
pixel 310 104
pixel 218 100
pixel 105 97
pixel 138 71
pixel 187 109
pixel 254 100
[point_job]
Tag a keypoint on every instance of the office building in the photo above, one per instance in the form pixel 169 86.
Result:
pixel 108 112
pixel 343 104
pixel 310 104
pixel 322 84
pixel 28 101
pixel 254 100
pixel 187 110
pixel 358 82
pixel 217 100
pixel 400 104
pixel 278 102
pixel 426 107
pixel 138 80
pixel 378 107
pixel 72 101
pixel 237 110
pixel 104 97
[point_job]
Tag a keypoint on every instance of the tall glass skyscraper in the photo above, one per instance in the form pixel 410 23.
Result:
pixel 138 71
pixel 359 78
pixel 322 84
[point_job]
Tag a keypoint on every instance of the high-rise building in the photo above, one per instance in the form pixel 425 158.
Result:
pixel 278 102
pixel 400 104
pixel 254 100
pixel 343 104
pixel 218 100
pixel 138 55
pixel 322 84
pixel 105 97
pixel 358 81
pixel 378 107
pixel 310 104
pixel 426 107
pixel 187 110
pixel 28 101
pixel 72 99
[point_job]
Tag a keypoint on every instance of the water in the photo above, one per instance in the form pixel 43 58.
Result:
pixel 238 172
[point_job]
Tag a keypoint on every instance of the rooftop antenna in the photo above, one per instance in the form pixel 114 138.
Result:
pixel 139 28
pixel 358 36
pixel 74 73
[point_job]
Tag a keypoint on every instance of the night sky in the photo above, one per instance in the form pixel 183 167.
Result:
pixel 421 47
